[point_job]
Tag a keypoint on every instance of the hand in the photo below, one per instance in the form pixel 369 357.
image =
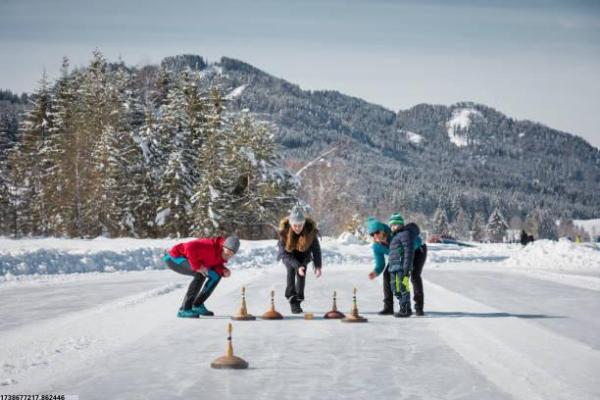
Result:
pixel 372 275
pixel 302 271
pixel 318 272
pixel 203 271
pixel 226 273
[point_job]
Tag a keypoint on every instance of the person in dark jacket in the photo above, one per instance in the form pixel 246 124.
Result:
pixel 298 246
pixel 406 260
pixel 205 260
pixel 382 235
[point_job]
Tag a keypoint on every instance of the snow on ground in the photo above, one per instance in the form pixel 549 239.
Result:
pixel 459 124
pixel 235 93
pixel 30 258
pixel 412 136
pixel 502 322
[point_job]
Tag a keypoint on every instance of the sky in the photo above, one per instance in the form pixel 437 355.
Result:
pixel 530 59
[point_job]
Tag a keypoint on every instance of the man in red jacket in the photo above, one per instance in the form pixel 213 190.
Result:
pixel 205 260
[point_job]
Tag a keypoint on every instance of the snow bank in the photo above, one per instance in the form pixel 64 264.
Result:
pixel 561 256
pixel 349 238
pixel 49 256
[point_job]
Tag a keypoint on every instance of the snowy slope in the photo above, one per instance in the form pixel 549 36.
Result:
pixel 493 329
pixel 459 124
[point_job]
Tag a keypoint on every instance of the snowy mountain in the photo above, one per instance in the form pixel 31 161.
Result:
pixel 465 156
pixel 466 153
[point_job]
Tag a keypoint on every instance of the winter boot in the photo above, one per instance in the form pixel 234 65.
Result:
pixel 419 312
pixel 404 312
pixel 387 310
pixel 187 314
pixel 201 310
pixel 295 306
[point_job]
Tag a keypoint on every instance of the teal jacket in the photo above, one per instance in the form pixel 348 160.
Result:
pixel 380 250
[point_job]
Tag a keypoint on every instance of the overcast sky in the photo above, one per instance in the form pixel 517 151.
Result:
pixel 529 59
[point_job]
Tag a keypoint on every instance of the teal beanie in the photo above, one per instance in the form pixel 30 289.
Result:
pixel 374 225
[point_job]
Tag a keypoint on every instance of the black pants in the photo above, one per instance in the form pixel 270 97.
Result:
pixel 196 294
pixel 388 296
pixel 415 276
pixel 294 290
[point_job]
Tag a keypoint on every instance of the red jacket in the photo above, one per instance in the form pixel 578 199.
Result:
pixel 203 252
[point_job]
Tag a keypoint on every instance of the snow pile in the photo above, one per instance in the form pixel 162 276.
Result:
pixel 561 256
pixel 349 238
pixel 51 256
pixel 460 121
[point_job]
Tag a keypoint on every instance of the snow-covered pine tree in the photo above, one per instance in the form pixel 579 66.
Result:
pixel 440 223
pixel 183 123
pixel 212 199
pixel 445 203
pixel 461 224
pixel 154 139
pixel 546 225
pixel 92 145
pixel 106 160
pixel 6 205
pixel 69 115
pixel 496 226
pixel 262 187
pixel 154 136
pixel 27 167
pixel 478 228
pixel 58 175
pixel 135 202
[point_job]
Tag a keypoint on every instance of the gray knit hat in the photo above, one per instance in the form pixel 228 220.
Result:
pixel 232 243
pixel 296 216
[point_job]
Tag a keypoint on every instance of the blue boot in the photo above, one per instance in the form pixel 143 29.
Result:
pixel 201 310
pixel 187 314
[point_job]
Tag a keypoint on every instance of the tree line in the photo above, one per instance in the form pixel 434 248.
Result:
pixel 112 151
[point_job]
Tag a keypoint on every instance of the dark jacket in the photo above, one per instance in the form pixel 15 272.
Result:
pixel 299 250
pixel 402 248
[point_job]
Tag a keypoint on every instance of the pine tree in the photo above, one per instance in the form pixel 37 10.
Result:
pixel 262 187
pixel 546 225
pixel 6 205
pixel 478 228
pixel 69 123
pixel 440 223
pixel 58 173
pixel 461 225
pixel 183 123
pixel 496 226
pixel 212 198
pixel 26 166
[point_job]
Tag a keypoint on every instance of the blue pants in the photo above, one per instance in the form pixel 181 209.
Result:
pixel 198 291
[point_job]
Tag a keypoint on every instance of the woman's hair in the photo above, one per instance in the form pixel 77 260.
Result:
pixel 385 235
